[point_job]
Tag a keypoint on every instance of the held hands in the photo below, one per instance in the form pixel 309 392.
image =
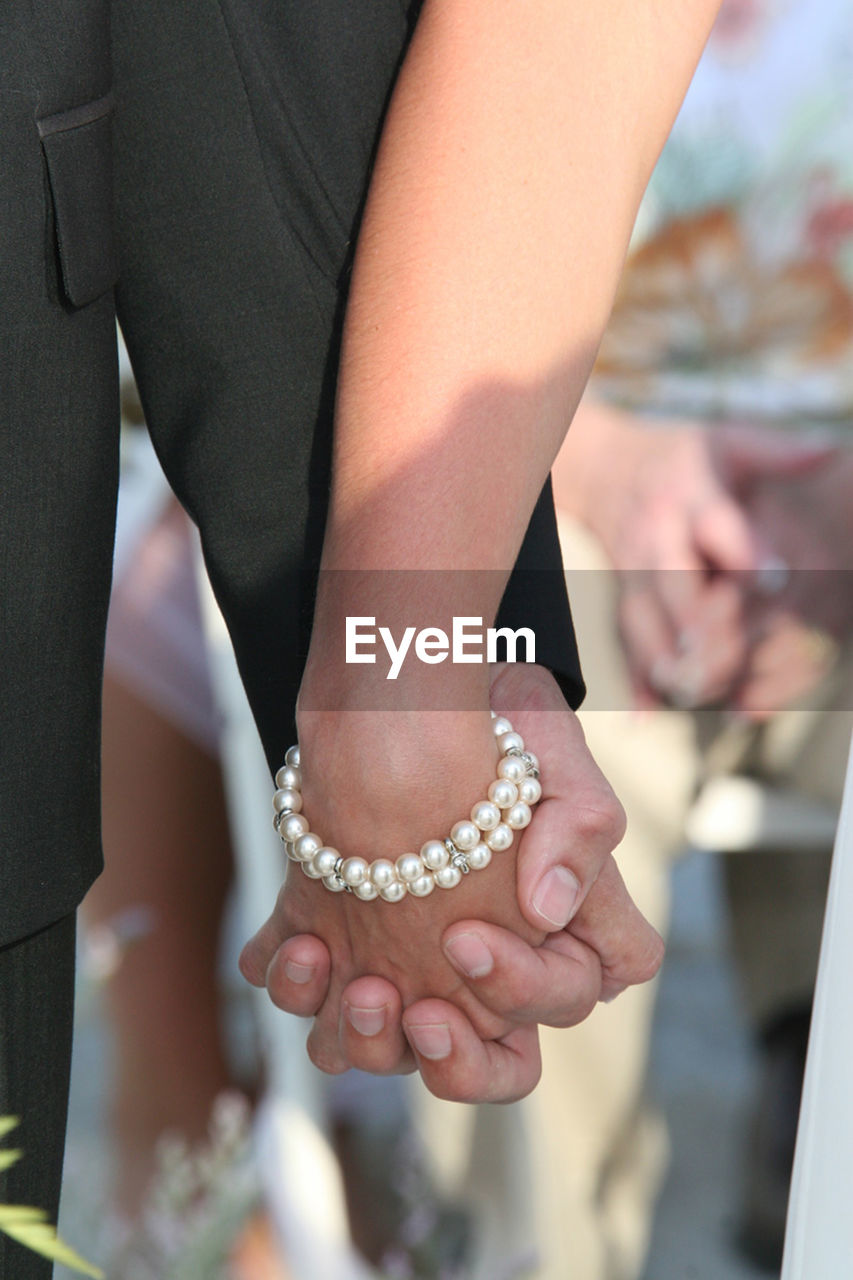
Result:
pixel 678 508
pixel 542 934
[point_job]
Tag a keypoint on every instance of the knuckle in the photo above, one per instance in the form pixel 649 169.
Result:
pixel 250 967
pixel 324 1059
pixel 449 1086
pixel 582 1004
pixel 519 1088
pixel 458 1080
pixel 586 1003
pixel 642 962
pixel 471 1089
pixel 601 820
pixel 651 959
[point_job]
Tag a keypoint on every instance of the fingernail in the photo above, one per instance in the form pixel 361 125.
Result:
pixel 470 955
pixel 367 1022
pixel 299 973
pixel 556 896
pixel 430 1039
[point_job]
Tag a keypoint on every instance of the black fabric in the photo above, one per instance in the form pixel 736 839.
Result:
pixel 58 468
pixel 36 1010
pixel 275 110
pixel 242 139
pixel 77 147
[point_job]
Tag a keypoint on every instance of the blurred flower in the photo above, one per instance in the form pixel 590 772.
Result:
pixel 708 322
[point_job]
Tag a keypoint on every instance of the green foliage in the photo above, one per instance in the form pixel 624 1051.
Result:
pixel 30 1227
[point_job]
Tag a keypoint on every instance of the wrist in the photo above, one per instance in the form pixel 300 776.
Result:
pixel 403 640
pixel 487 827
pixel 378 781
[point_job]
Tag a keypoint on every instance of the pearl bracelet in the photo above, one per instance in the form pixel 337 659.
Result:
pixel 469 847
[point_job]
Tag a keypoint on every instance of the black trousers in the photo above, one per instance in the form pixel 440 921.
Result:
pixel 36 1002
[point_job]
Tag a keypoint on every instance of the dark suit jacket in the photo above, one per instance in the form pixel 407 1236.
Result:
pixel 218 153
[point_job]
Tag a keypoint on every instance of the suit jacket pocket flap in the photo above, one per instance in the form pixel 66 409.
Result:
pixel 77 146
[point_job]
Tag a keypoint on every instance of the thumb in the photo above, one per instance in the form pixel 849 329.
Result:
pixel 724 536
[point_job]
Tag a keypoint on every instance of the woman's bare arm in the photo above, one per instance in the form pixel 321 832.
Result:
pixel 519 139
pixel 517 146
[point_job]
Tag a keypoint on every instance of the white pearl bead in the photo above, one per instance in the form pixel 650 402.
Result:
pixel 287 798
pixel 409 866
pixel 530 791
pixel 499 839
pixel 394 891
pixel 289 776
pixel 503 793
pixel 480 857
pixel 334 883
pixel 465 835
pixel 434 855
pixel 289 850
pixel 501 726
pixel 448 877
pixel 310 871
pixel 519 816
pixel 354 872
pixel 511 768
pixel 423 886
pixel 291 756
pixel 293 826
pixel 366 891
pixel 382 873
pixel 325 861
pixel 306 846
pixel 507 741
pixel 485 815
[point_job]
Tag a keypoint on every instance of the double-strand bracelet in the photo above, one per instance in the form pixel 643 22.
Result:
pixel 469 846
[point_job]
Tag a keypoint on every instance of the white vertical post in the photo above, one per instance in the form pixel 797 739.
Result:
pixel 819 1237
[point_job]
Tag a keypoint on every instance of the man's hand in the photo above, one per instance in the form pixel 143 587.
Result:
pixel 472 1034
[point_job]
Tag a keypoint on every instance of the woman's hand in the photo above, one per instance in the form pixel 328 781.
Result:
pixel 472 1035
